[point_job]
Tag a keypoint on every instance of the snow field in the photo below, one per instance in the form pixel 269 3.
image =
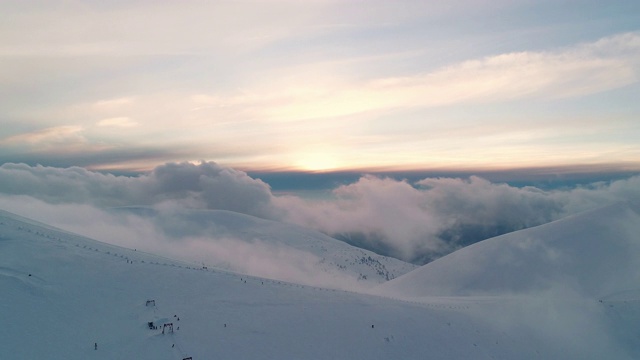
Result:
pixel 81 291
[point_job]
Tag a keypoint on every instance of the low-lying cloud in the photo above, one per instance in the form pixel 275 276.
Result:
pixel 205 186
pixel 421 221
pixel 416 222
pixel 173 232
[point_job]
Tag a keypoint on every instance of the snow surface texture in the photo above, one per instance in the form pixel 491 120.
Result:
pixel 62 293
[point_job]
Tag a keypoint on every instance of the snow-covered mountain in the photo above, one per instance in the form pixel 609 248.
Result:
pixel 340 263
pixel 62 295
pixel 594 254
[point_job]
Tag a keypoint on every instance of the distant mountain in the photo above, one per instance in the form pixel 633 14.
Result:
pixel 595 254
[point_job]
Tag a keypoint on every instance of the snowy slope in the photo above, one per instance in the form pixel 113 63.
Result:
pixel 61 293
pixel 333 257
pixel 593 254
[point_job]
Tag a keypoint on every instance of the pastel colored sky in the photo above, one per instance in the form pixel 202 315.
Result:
pixel 270 85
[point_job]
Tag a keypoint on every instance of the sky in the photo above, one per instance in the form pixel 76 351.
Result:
pixel 409 128
pixel 321 85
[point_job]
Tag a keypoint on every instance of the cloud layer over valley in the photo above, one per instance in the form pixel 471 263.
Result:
pixel 415 222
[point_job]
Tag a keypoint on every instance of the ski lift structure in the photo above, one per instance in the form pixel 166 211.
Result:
pixel 169 326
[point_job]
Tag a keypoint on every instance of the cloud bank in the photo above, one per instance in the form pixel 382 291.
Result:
pixel 419 222
pixel 416 222
pixel 425 220
pixel 203 186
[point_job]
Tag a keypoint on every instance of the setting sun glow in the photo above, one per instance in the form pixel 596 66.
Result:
pixel 317 161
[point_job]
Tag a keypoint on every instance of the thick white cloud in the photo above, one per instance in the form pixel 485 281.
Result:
pixel 438 215
pixel 415 222
pixel 206 185
pixel 211 186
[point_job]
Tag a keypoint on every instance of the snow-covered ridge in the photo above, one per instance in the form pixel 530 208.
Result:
pixel 19 228
pixel 70 297
pixel 595 254
pixel 331 256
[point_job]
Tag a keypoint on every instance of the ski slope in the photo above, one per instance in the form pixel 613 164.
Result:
pixel 62 293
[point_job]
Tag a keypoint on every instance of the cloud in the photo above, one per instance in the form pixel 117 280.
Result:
pixel 422 221
pixel 47 137
pixel 273 111
pixel 213 187
pixel 432 217
pixel 121 122
pixel 414 221
pixel 167 230
pixel 111 104
pixel 206 185
pixel 165 28
pixel 583 69
pixel 599 193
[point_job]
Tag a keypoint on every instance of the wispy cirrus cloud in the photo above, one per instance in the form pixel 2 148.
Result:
pixel 113 104
pixel 121 122
pixel 579 70
pixel 48 137
pixel 322 84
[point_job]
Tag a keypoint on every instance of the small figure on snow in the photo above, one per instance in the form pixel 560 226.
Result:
pixel 95 346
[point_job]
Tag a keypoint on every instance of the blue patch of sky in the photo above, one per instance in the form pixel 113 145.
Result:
pixel 538 26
